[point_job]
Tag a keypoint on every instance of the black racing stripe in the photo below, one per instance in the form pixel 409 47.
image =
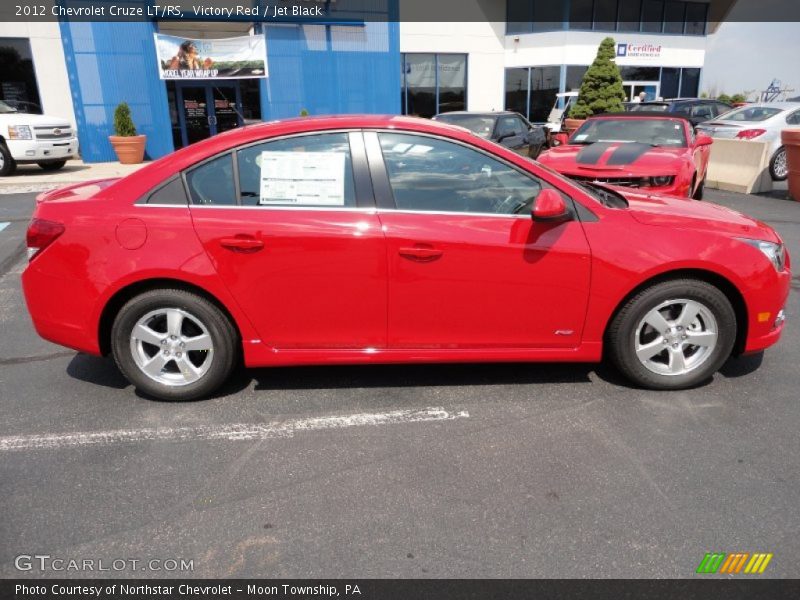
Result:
pixel 627 153
pixel 589 155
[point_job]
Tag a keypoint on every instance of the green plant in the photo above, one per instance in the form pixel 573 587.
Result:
pixel 704 94
pixel 123 124
pixel 303 112
pixel 738 98
pixel 725 98
pixel 601 89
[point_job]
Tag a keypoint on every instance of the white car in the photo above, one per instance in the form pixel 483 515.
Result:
pixel 24 138
pixel 760 123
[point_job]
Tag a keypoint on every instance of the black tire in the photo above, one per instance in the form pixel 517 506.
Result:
pixel 780 152
pixel 698 193
pixel 7 164
pixel 220 329
pixel 621 334
pixel 53 165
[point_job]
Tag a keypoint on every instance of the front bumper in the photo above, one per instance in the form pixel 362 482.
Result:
pixel 767 314
pixel 31 151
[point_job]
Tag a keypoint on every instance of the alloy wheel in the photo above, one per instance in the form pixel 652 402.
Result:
pixel 780 167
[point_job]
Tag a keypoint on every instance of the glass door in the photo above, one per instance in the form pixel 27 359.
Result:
pixel 194 109
pixel 207 108
pixel 227 108
pixel 634 88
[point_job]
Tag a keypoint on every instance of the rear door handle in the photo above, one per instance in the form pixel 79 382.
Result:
pixel 242 243
pixel 420 253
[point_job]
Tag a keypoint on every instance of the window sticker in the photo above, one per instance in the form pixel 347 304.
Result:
pixel 302 178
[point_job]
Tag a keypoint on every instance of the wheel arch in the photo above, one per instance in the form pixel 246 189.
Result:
pixel 121 296
pixel 727 287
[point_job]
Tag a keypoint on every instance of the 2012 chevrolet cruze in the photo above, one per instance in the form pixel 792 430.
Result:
pixel 366 239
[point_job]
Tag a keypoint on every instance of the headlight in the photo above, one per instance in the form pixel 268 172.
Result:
pixel 19 132
pixel 659 180
pixel 776 253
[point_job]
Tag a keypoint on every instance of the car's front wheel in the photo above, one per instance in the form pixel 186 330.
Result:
pixel 7 163
pixel 673 335
pixel 173 344
pixel 778 167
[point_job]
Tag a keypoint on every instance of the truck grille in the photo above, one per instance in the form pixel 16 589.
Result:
pixel 52 133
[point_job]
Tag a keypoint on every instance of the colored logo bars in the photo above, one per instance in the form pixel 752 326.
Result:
pixel 733 563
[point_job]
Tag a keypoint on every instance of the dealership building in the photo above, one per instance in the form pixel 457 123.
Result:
pixel 368 56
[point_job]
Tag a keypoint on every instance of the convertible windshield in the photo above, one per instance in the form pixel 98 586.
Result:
pixel 5 108
pixel 656 132
pixel 481 126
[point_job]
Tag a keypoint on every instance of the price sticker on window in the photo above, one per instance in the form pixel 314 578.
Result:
pixel 302 178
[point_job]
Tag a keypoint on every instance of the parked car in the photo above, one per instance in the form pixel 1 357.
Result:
pixel 654 151
pixel 26 138
pixel 369 239
pixel 697 110
pixel 509 129
pixel 761 123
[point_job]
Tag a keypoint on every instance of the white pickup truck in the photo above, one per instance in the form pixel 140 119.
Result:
pixel 24 138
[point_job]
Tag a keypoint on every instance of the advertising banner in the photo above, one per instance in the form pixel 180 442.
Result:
pixel 228 58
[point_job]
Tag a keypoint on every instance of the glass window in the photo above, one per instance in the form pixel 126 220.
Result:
pixel 794 118
pixel 429 174
pixel 308 170
pixel 670 80
pixel 452 82
pixel 18 87
pixel 752 113
pixel 720 108
pixel 545 82
pixel 509 126
pixel 548 15
pixel 696 18
pixel 674 16
pixel 171 193
pixel 519 17
pixel 605 15
pixel 630 14
pixel 690 82
pixel 422 72
pixel 575 78
pixel 581 14
pixel 662 132
pixel 517 90
pixel 652 15
pixel 702 111
pixel 481 125
pixel 639 73
pixel 212 182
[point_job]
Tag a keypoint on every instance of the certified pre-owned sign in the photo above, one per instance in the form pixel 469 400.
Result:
pixel 639 50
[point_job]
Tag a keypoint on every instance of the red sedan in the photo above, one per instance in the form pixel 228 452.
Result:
pixel 367 239
pixel 657 152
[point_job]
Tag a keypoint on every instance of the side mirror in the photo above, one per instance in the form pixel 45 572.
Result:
pixel 549 207
pixel 704 140
pixel 504 136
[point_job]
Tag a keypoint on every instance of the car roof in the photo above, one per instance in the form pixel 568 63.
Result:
pixel 478 113
pixel 641 114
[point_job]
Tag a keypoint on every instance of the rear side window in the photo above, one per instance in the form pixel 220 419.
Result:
pixel 212 182
pixel 308 170
pixel 171 193
pixel 794 118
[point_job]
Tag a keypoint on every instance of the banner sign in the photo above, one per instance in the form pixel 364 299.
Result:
pixel 228 58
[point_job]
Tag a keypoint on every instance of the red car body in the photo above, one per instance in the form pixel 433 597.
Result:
pixel 372 284
pixel 631 165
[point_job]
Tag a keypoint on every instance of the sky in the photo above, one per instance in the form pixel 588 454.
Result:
pixel 747 56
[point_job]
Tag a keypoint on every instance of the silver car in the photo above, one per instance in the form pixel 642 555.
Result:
pixel 760 123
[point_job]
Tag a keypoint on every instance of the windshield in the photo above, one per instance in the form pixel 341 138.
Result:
pixel 656 132
pixel 752 113
pixel 5 108
pixel 482 126
pixel 639 107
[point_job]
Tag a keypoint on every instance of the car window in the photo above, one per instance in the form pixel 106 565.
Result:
pixel 480 125
pixel 682 109
pixel 509 126
pixel 212 182
pixel 720 109
pixel 702 111
pixel 172 193
pixel 753 113
pixel 655 131
pixel 307 170
pixel 429 174
pixel 794 118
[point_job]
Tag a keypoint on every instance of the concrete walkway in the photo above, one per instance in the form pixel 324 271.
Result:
pixel 30 178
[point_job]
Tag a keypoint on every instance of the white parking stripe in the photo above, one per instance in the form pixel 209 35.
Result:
pixel 4 225
pixel 235 432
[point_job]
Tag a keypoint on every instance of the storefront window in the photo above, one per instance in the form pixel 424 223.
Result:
pixel 580 14
pixel 670 82
pixel 674 16
pixel 652 16
pixel 545 83
pixel 517 90
pixel 630 15
pixel 574 78
pixel 690 82
pixel 639 73
pixel 18 86
pixel 605 15
pixel 433 83
pixel 696 14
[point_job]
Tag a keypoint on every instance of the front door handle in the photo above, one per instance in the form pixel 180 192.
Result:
pixel 242 243
pixel 420 253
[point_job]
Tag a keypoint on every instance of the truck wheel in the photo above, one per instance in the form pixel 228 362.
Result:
pixel 52 166
pixel 7 164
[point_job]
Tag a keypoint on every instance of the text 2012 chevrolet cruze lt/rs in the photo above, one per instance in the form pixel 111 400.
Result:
pixel 366 239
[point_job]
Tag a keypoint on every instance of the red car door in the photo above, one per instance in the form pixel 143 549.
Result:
pixel 291 227
pixel 468 268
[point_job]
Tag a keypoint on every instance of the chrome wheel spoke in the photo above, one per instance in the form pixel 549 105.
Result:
pixel 650 350
pixel 688 314
pixel 200 342
pixel 656 320
pixel 174 322
pixel 701 338
pixel 155 365
pixel 188 370
pixel 145 334
pixel 677 360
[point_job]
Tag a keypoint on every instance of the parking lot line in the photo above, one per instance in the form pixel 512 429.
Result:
pixel 235 432
pixel 4 224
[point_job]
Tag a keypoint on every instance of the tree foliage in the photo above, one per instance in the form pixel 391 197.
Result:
pixel 601 89
pixel 123 124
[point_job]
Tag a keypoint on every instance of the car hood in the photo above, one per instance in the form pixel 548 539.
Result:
pixel 677 213
pixel 33 120
pixel 612 158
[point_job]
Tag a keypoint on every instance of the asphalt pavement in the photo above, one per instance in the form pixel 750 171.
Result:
pixel 513 470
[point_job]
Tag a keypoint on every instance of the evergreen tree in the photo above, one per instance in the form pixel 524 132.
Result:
pixel 601 88
pixel 123 124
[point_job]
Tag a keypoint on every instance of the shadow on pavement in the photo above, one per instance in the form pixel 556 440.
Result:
pixel 742 365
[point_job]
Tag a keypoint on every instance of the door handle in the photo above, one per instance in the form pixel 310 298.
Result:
pixel 244 244
pixel 420 253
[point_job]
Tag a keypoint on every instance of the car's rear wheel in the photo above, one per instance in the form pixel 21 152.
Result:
pixel 52 165
pixel 778 167
pixel 173 344
pixel 7 163
pixel 673 335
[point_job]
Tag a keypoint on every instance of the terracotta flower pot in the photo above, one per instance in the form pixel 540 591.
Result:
pixel 791 141
pixel 571 125
pixel 130 150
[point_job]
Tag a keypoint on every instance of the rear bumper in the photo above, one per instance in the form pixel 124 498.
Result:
pixel 32 151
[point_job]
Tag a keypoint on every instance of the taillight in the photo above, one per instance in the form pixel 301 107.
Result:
pixel 41 233
pixel 749 134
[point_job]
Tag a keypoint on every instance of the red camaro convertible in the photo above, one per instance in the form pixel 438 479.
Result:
pixel 367 239
pixel 656 152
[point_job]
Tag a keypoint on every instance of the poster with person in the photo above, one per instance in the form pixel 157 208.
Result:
pixel 227 58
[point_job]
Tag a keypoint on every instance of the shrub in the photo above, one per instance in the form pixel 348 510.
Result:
pixel 123 124
pixel 303 112
pixel 601 89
